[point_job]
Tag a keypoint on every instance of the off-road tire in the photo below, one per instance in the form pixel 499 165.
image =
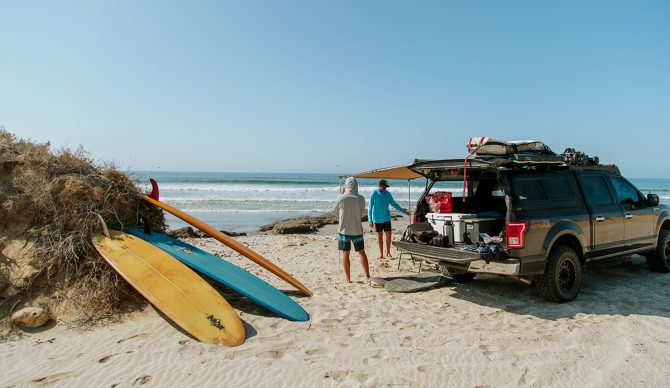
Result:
pixel 563 276
pixel 659 259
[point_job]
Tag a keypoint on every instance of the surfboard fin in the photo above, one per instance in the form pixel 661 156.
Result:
pixel 105 231
pixel 155 193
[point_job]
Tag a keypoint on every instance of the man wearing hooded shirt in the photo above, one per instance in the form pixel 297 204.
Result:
pixel 351 206
pixel 380 216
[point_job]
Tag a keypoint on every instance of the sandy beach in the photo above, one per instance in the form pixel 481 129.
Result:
pixel 491 332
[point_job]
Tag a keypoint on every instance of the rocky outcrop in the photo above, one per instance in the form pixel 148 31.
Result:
pixel 302 225
pixel 30 317
pixel 189 232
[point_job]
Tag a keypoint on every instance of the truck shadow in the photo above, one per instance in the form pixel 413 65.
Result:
pixel 622 286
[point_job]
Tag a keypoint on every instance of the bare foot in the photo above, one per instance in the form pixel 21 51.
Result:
pixel 390 256
pixel 380 258
pixel 348 280
pixel 367 281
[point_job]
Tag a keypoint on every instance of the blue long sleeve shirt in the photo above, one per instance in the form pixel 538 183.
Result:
pixel 378 208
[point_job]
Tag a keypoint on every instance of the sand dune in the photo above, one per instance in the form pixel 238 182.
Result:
pixel 491 332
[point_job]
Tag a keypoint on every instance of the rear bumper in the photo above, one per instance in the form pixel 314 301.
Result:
pixel 455 258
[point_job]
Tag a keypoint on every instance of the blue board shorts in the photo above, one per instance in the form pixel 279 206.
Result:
pixel 345 240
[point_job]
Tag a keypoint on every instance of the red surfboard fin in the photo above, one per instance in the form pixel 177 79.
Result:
pixel 154 189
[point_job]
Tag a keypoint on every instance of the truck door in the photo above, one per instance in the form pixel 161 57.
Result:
pixel 607 221
pixel 638 218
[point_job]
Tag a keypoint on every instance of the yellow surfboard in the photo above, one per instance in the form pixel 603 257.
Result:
pixel 172 287
pixel 232 243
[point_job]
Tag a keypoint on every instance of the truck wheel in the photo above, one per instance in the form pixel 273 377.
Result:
pixel 659 259
pixel 563 276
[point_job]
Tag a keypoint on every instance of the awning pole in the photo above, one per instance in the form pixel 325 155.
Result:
pixel 409 199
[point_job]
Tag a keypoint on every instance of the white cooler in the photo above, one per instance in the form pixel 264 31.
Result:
pixel 439 221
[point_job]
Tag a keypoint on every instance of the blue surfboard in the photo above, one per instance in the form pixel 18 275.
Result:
pixel 227 274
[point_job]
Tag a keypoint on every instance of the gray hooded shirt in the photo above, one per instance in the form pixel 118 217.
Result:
pixel 351 206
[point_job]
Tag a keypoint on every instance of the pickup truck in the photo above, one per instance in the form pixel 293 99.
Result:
pixel 543 221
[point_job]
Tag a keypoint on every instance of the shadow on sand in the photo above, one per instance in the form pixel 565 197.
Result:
pixel 623 286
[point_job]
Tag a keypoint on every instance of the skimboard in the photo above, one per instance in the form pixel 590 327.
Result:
pixel 177 291
pixel 230 242
pixel 227 274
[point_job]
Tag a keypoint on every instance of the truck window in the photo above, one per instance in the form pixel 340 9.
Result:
pixel 529 189
pixel 625 192
pixel 595 190
pixel 558 188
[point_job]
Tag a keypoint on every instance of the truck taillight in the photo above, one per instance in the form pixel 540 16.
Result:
pixel 414 219
pixel 515 233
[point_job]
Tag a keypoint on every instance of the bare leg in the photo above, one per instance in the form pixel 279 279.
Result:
pixel 346 264
pixel 380 242
pixel 364 263
pixel 388 245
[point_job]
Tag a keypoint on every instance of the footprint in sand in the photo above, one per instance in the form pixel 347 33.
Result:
pixel 270 354
pixel 432 369
pixel 331 321
pixel 107 358
pixel 131 337
pixel 52 378
pixel 142 380
pixel 315 352
pixel 489 350
pixel 406 342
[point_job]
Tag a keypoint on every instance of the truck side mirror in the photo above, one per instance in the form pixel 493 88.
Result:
pixel 653 200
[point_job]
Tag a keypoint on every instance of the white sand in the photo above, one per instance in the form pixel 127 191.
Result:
pixel 491 332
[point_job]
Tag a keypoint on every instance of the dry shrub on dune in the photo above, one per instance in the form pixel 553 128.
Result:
pixel 48 205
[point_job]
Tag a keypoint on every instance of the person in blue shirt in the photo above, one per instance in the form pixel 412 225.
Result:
pixel 379 216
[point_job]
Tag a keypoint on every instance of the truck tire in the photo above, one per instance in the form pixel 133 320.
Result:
pixel 659 259
pixel 563 276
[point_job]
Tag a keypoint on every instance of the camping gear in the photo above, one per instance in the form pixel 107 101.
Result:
pixel 448 231
pixel 578 158
pixel 420 233
pixel 178 292
pixel 440 202
pixel 494 147
pixel 230 242
pixel 439 223
pixel 475 226
pixel 227 274
pixel 440 241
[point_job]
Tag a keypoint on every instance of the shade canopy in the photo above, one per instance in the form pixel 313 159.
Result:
pixel 397 172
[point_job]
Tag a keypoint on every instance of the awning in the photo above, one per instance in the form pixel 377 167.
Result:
pixel 397 172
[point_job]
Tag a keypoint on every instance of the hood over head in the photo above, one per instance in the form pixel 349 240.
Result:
pixel 351 185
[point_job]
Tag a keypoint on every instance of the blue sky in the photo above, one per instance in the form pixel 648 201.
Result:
pixel 340 86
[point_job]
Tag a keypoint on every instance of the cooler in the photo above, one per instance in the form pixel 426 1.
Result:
pixel 442 221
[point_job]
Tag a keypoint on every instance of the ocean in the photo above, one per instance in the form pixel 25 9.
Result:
pixel 242 202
